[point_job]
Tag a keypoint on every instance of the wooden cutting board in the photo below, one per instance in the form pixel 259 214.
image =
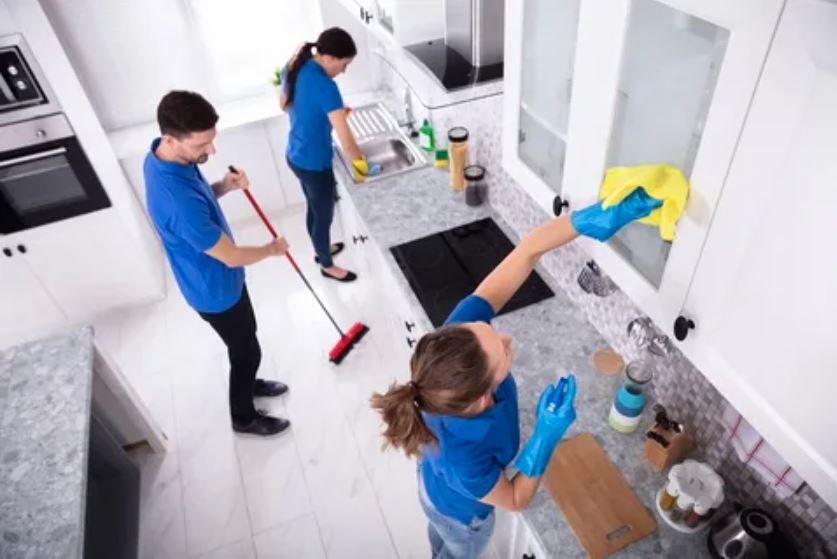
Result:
pixel 601 508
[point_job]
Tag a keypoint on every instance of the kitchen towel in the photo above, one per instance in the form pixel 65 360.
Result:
pixel 662 182
pixel 757 453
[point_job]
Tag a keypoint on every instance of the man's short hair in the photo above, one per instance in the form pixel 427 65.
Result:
pixel 182 112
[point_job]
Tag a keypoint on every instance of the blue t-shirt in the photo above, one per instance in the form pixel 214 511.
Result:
pixel 472 451
pixel 315 95
pixel 189 221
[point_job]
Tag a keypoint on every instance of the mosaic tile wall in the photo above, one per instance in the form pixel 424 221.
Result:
pixel 679 386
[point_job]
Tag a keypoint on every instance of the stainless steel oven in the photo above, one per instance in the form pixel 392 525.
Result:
pixel 45 175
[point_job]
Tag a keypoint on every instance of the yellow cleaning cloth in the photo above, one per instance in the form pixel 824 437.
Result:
pixel 663 182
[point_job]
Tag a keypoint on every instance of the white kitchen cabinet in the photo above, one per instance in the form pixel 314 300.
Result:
pixel 404 22
pixel 391 313
pixel 90 264
pixel 763 297
pixel 540 38
pixel 28 310
pixel 665 81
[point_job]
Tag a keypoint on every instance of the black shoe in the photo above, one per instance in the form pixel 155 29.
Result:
pixel 337 250
pixel 269 388
pixel 350 276
pixel 263 426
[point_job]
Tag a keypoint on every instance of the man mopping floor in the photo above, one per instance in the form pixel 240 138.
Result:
pixel 206 262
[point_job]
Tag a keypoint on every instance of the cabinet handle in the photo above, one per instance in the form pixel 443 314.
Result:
pixel 558 205
pixel 368 17
pixel 355 239
pixel 361 12
pixel 8 252
pixel 359 239
pixel 363 238
pixel 682 325
pixel 409 325
pixel 21 249
pixel 528 556
pixel 410 342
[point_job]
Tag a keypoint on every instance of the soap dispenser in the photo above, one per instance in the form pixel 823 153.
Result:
pixel 427 141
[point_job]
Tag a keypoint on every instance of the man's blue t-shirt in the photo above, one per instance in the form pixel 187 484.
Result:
pixel 189 221
pixel 472 451
pixel 315 95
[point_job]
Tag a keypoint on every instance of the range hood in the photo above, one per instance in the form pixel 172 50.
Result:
pixel 471 51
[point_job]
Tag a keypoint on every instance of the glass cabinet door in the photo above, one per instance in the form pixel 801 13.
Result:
pixel 670 66
pixel 548 51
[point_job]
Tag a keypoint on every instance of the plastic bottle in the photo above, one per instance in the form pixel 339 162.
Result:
pixel 427 140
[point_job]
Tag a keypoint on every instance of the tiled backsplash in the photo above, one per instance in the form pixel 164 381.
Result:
pixel 678 385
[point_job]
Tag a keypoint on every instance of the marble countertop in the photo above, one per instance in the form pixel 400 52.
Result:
pixel 45 399
pixel 551 338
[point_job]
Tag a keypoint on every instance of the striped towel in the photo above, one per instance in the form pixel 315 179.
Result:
pixel 757 453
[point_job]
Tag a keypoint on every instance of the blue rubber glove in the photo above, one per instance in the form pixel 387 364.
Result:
pixel 602 224
pixel 554 415
pixel 374 169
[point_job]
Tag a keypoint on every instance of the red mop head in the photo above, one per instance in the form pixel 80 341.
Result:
pixel 347 342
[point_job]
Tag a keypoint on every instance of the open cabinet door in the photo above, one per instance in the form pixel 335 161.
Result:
pixel 662 81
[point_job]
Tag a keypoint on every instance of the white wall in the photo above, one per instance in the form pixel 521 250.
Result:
pixel 129 54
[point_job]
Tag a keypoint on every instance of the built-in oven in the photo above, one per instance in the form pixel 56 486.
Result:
pixel 45 175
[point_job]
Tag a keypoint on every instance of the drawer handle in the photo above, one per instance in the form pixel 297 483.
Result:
pixel 8 252
pixel 410 342
pixel 409 325
pixel 558 205
pixel 21 249
pixel 682 325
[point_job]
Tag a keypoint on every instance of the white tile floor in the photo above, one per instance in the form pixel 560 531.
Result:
pixel 323 490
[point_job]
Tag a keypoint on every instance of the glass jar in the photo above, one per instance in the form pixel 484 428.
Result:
pixel 629 402
pixel 458 152
pixel 475 188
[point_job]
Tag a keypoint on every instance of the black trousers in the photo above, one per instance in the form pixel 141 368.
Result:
pixel 237 328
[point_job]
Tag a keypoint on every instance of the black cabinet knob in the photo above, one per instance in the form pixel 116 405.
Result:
pixel 682 325
pixel 363 238
pixel 368 17
pixel 7 251
pixel 410 342
pixel 356 239
pixel 558 205
pixel 21 249
pixel 528 556
pixel 409 325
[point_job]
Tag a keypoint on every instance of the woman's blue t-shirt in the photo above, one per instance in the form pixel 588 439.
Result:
pixel 315 95
pixel 472 451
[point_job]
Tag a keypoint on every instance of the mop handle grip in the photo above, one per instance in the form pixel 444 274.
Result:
pixel 263 217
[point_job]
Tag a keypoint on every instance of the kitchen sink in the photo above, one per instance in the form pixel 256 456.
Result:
pixel 382 142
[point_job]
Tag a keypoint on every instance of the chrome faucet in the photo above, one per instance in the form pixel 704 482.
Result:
pixel 409 120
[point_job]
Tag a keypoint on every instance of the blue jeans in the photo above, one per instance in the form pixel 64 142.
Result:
pixel 450 538
pixel 320 189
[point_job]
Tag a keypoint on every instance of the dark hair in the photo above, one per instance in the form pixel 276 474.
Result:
pixel 449 372
pixel 333 41
pixel 182 112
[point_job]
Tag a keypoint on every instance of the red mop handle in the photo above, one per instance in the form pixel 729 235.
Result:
pixel 265 220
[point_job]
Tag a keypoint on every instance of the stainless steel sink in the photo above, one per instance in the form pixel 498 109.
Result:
pixel 382 142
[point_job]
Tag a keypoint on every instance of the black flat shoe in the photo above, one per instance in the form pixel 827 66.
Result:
pixel 269 388
pixel 338 249
pixel 350 276
pixel 263 426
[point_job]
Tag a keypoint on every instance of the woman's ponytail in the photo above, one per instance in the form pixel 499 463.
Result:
pixel 405 428
pixel 294 66
pixel 450 372
pixel 333 41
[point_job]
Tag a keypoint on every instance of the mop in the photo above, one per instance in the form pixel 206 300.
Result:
pixel 352 335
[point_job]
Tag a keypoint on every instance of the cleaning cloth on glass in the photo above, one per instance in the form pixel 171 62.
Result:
pixel 662 182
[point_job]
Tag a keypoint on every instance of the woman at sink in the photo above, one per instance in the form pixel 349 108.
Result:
pixel 313 101
pixel 459 414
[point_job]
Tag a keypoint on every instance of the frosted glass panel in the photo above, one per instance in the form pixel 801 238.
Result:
pixel 549 36
pixel 669 72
